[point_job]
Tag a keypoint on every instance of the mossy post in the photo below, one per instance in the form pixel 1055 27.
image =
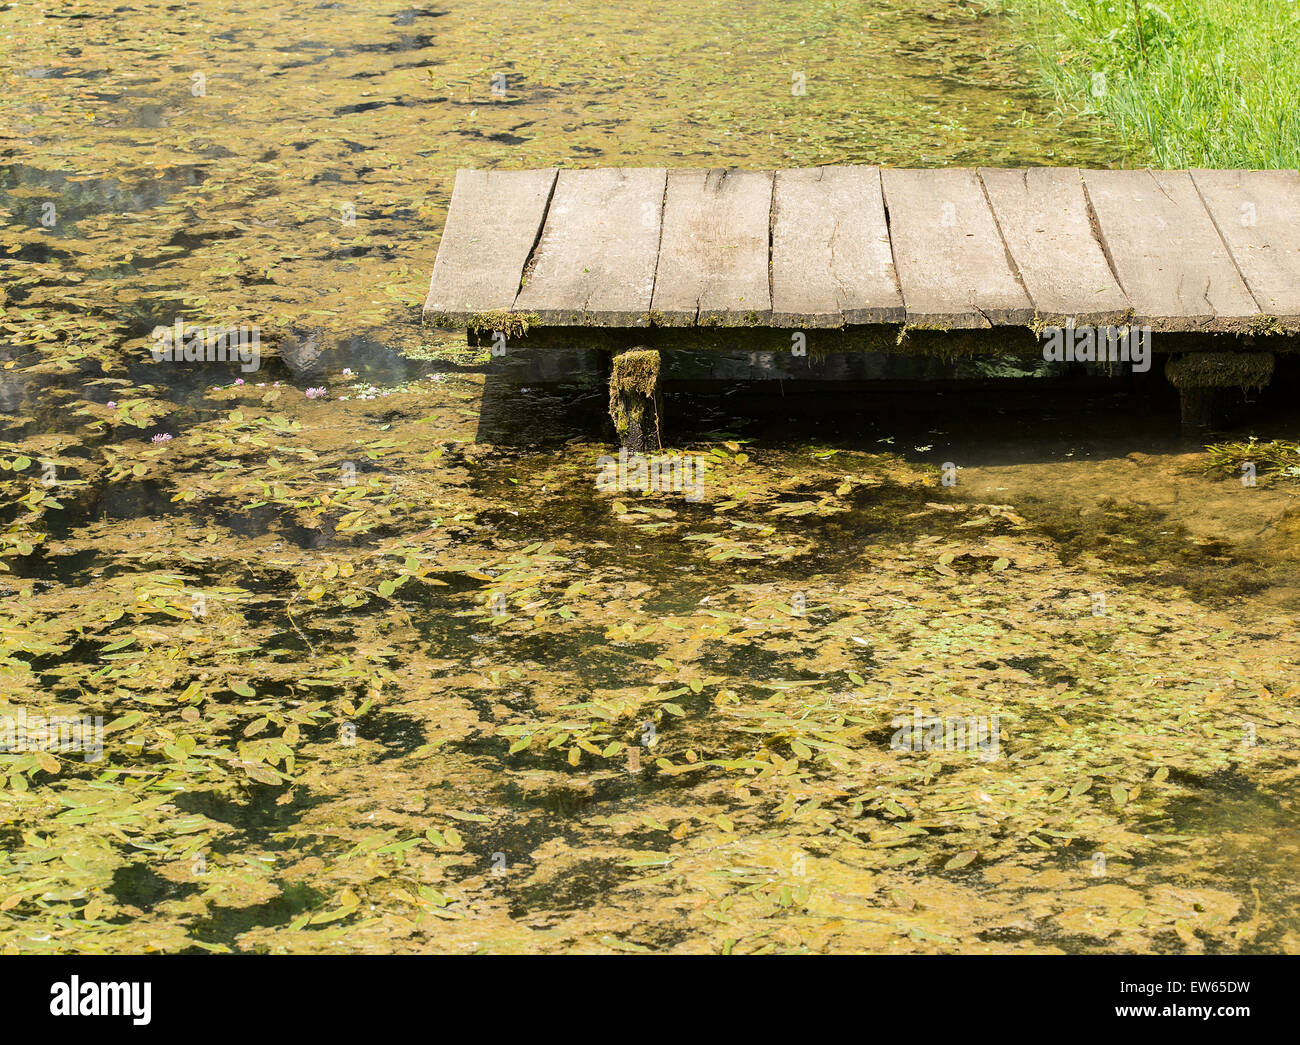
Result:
pixel 1202 378
pixel 634 399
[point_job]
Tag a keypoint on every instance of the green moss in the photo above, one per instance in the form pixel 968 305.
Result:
pixel 635 373
pixel 1220 370
pixel 633 382
pixel 1269 326
pixel 512 324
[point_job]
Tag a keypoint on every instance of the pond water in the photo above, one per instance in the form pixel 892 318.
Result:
pixel 369 682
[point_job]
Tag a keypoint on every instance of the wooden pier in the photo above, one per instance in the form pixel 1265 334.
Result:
pixel 686 253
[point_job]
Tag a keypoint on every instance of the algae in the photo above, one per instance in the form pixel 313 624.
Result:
pixel 368 683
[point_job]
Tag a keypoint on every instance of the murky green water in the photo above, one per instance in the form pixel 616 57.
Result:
pixel 368 683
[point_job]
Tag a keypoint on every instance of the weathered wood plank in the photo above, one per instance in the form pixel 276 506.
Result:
pixel 1258 215
pixel 713 256
pixel 952 264
pixel 595 263
pixel 850 246
pixel 831 261
pixel 1042 214
pixel 1169 257
pixel 492 225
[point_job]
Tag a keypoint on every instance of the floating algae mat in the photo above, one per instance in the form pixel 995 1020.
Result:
pixel 291 662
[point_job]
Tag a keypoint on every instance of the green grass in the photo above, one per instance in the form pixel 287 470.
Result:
pixel 1187 83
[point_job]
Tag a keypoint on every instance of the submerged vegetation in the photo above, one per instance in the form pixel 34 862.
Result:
pixel 476 705
pixel 1186 83
pixel 1273 461
pixel 338 675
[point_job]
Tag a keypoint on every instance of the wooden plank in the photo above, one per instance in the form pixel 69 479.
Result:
pixel 1168 256
pixel 492 225
pixel 595 263
pixel 713 257
pixel 952 264
pixel 1206 250
pixel 1042 214
pixel 1257 214
pixel 831 260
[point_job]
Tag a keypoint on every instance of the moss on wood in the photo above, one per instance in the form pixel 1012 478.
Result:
pixel 635 372
pixel 1220 370
pixel 633 386
pixel 512 324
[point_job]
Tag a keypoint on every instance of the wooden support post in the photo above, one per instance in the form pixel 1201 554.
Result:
pixel 1201 407
pixel 1203 377
pixel 634 399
